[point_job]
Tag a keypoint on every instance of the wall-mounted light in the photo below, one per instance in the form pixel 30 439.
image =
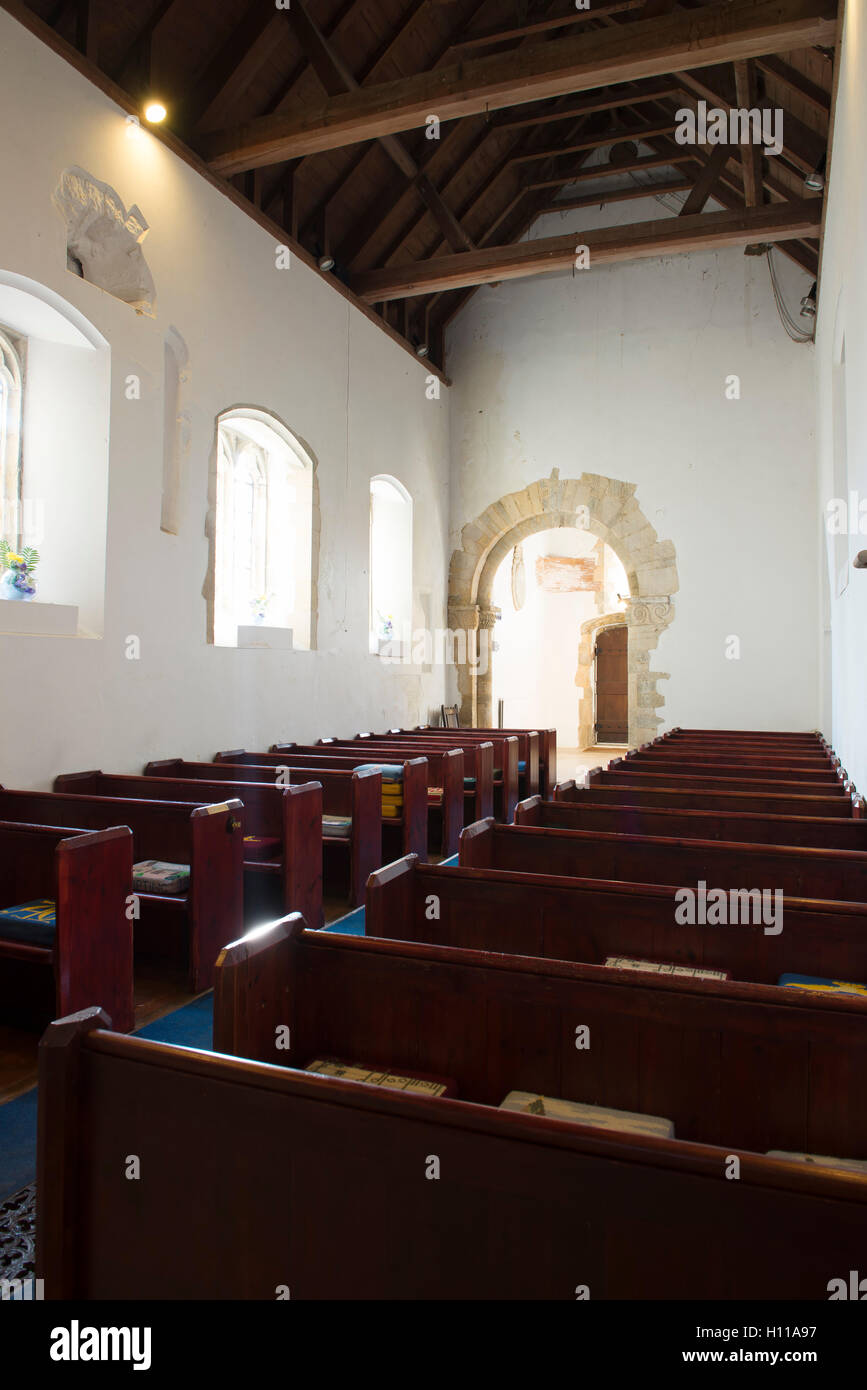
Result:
pixel 422 349
pixel 860 561
pixel 808 303
pixel 815 181
pixel 326 262
pixel 155 112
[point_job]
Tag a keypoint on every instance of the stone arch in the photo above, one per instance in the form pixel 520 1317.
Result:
pixel 607 508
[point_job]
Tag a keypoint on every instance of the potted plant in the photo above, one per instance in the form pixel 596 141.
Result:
pixel 16 581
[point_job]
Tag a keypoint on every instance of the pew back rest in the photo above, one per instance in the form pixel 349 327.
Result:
pixel 263 803
pixel 706 1055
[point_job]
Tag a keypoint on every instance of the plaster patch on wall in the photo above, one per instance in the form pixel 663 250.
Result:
pixel 105 239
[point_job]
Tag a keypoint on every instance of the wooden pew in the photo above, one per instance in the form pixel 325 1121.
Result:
pixel 531 746
pixel 207 838
pixel 506 758
pixel 620 773
pixel 444 770
pixel 742 735
pixel 802 873
pixel 478 764
pixel 290 816
pixel 525 1206
pixel 818 771
pixel 355 795
pixel 626 794
pixel 745 827
pixel 547 748
pixel 589 919
pixel 88 877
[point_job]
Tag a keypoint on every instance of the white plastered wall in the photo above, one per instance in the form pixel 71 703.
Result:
pixel 280 339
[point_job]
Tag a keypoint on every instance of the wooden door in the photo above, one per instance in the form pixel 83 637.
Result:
pixel 612 712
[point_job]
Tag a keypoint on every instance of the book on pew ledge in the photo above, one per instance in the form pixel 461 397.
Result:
pixel 816 984
pixel 599 1116
pixel 662 967
pixel 848 1165
pixel 261 847
pixel 338 827
pixel 435 795
pixel 32 923
pixel 158 876
pixel 414 1083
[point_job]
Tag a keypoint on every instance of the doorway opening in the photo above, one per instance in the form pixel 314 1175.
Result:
pixel 611 686
pixel 548 591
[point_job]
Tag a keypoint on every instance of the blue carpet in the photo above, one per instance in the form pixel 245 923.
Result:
pixel 190 1026
pixel 350 925
pixel 17 1143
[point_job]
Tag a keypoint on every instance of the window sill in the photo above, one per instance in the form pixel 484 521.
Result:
pixel 257 636
pixel 38 619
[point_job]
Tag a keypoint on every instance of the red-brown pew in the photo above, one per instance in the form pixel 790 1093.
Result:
pixel 524 1206
pixel 291 817
pixel 744 827
pixel 347 861
pixel 589 919
pixel 802 873
pixel 398 833
pixel 625 794
pixel 88 877
pixel 207 838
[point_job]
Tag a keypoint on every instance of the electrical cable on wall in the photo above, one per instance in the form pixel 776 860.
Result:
pixel 794 329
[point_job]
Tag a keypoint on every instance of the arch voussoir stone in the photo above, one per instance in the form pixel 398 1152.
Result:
pixel 609 509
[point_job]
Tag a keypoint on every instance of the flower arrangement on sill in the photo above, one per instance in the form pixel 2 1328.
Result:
pixel 16 581
pixel 259 607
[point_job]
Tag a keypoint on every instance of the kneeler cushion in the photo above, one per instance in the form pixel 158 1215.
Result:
pixel 390 772
pixel 337 827
pixel 159 876
pixel 816 983
pixel 32 923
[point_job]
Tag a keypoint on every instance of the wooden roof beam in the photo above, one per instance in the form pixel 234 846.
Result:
pixel 719 33
pixel 706 231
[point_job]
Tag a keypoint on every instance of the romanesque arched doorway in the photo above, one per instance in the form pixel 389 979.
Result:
pixel 607 508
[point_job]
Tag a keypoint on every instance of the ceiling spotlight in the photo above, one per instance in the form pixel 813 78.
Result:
pixel 808 303
pixel 422 349
pixel 815 182
pixel 155 112
pixel 326 262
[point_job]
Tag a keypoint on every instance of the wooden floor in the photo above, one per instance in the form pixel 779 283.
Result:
pixel 157 992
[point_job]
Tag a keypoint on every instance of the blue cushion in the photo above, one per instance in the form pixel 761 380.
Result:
pixel 32 923
pixel 522 766
pixel 391 772
pixel 816 984
pixel 469 782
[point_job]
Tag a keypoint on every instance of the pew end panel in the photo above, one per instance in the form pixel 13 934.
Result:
pixel 366 831
pixel 415 807
pixel 302 851
pixel 453 800
pixel 529 812
pixel 390 897
pixel 216 894
pixel 163 767
pixel 476 850
pixel 94 945
pixel 257 966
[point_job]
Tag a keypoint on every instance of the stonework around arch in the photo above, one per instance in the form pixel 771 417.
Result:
pixel 604 506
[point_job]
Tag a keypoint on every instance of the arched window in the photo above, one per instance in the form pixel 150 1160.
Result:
pixel 11 398
pixel 264 527
pixel 390 564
